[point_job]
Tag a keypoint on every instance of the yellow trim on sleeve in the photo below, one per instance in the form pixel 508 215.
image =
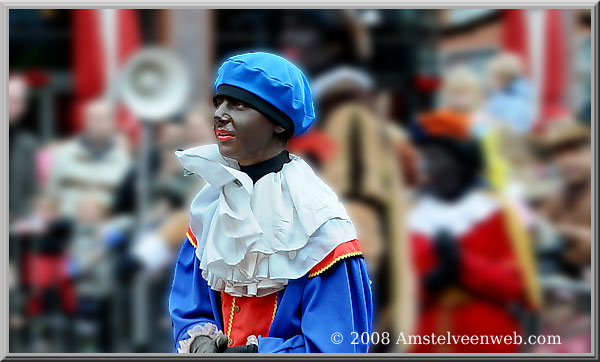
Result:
pixel 320 271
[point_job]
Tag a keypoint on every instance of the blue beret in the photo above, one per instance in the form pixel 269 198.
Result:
pixel 272 85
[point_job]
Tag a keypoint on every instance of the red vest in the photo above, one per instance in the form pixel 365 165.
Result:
pixel 246 316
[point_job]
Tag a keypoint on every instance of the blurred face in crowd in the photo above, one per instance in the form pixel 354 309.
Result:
pixel 462 90
pixel 244 133
pixel 17 98
pixel 445 175
pixel 99 121
pixel 573 162
pixel 197 127
pixel 503 69
pixel 559 312
pixel 170 136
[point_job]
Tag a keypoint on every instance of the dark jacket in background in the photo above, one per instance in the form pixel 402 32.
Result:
pixel 22 180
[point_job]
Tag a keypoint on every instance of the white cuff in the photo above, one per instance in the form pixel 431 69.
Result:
pixel 205 329
pixel 252 340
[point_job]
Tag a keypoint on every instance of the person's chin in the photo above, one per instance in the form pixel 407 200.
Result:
pixel 226 150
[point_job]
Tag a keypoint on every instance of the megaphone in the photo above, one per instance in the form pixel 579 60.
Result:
pixel 154 84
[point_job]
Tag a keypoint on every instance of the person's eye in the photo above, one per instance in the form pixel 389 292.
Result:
pixel 240 105
pixel 217 101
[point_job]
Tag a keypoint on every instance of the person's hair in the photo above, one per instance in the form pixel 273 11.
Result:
pixel 464 78
pixel 506 66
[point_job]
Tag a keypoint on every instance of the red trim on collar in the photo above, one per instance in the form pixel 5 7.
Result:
pixel 191 237
pixel 342 251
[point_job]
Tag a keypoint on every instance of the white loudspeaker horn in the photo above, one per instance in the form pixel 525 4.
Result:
pixel 154 84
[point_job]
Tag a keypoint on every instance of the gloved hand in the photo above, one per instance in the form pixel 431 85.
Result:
pixel 446 249
pixel 249 348
pixel 205 344
pixel 446 272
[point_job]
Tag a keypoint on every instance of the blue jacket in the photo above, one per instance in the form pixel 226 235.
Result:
pixel 309 312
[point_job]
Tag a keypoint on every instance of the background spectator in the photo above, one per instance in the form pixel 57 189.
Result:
pixel 95 160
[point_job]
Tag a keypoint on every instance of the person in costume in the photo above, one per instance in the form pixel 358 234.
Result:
pixel 365 172
pixel 565 143
pixel 271 262
pixel 472 254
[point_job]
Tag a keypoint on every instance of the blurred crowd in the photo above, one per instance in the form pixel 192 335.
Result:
pixel 473 213
pixel 78 246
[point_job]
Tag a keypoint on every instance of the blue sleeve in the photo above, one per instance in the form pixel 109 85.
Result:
pixel 190 301
pixel 337 301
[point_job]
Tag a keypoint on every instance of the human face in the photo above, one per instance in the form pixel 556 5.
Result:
pixel 198 127
pixel 445 175
pixel 99 121
pixel 574 163
pixel 462 99
pixel 17 98
pixel 244 133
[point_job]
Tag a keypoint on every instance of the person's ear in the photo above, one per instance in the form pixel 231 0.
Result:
pixel 278 129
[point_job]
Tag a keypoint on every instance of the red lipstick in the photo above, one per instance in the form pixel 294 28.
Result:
pixel 223 135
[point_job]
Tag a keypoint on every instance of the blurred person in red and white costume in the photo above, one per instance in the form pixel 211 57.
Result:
pixel 95 160
pixel 472 255
pixel 505 158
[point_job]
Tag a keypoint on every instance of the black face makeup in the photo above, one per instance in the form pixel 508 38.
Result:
pixel 446 175
pixel 244 133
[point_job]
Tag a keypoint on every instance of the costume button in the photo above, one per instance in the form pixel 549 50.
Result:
pixel 230 343
pixel 236 308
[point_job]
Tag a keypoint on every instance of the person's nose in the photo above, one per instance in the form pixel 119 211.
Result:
pixel 221 116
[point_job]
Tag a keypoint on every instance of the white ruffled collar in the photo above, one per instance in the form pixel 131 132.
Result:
pixel 252 238
pixel 431 215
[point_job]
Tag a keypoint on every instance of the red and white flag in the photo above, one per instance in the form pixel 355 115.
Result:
pixel 103 39
pixel 538 37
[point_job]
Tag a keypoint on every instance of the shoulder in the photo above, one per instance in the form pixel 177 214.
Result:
pixel 430 215
pixel 349 249
pixel 314 201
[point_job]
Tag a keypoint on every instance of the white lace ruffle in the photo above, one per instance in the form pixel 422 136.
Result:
pixel 252 238
pixel 252 340
pixel 205 329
